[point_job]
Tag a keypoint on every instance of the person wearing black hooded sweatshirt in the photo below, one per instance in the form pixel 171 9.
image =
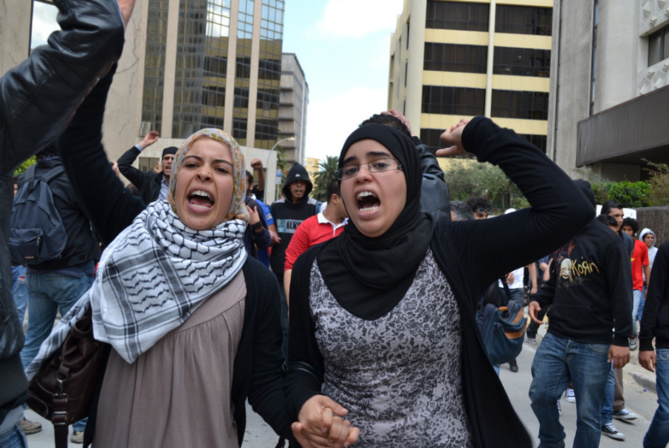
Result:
pixel 289 212
pixel 589 292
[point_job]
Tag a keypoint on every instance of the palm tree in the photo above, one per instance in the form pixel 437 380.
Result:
pixel 327 173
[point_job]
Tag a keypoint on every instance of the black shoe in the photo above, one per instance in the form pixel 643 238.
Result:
pixel 513 366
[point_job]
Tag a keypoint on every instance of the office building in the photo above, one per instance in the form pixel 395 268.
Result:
pixel 458 59
pixel 294 101
pixel 609 96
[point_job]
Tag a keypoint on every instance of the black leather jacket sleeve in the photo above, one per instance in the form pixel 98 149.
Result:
pixel 39 96
pixel 37 100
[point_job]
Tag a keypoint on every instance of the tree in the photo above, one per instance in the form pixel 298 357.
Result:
pixel 659 183
pixel 327 173
pixel 24 166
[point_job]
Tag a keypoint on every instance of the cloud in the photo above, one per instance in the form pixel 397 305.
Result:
pixel 356 19
pixel 44 23
pixel 331 121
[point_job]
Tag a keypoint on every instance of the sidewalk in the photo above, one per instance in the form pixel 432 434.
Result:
pixel 633 369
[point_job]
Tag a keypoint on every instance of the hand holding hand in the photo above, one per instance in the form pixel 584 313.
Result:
pixel 321 424
pixel 453 137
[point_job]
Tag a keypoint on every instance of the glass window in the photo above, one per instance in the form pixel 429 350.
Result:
pixel 457 16
pixel 453 100
pixel 521 62
pixel 524 20
pixel 43 23
pixel 455 58
pixel 519 104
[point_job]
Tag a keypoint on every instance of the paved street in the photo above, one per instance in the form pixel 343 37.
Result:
pixel 639 399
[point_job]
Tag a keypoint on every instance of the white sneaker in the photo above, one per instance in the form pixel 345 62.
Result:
pixel 624 415
pixel 610 430
pixel 569 395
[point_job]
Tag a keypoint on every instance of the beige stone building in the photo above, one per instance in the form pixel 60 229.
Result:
pixel 293 108
pixel 460 58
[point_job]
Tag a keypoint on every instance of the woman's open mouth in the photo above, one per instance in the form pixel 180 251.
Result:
pixel 367 201
pixel 199 199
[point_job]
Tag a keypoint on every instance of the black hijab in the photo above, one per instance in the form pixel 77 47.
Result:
pixel 369 276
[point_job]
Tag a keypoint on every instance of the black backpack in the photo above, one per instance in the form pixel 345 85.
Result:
pixel 37 233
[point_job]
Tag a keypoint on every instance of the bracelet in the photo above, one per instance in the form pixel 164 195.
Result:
pixel 257 226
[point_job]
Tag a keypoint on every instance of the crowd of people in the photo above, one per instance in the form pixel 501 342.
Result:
pixel 345 322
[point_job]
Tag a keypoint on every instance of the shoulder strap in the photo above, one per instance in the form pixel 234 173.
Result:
pixel 53 173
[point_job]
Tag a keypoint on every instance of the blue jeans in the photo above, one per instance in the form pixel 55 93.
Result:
pixel 14 438
pixel 607 406
pixel 658 432
pixel 19 290
pixel 557 362
pixel 637 294
pixel 642 303
pixel 49 293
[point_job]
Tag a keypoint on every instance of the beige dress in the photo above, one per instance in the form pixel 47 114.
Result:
pixel 178 393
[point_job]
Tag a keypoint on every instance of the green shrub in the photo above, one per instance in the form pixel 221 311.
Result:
pixel 630 194
pixel 24 166
pixel 659 183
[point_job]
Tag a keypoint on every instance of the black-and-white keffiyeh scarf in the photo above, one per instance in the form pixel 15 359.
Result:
pixel 150 279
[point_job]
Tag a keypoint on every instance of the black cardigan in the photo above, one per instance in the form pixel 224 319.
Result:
pixel 258 373
pixel 471 254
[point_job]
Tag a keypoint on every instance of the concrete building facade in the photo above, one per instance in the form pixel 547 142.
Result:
pixel 293 108
pixel 609 96
pixel 460 58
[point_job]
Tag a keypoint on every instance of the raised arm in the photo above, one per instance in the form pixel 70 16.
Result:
pixel 558 208
pixel 110 206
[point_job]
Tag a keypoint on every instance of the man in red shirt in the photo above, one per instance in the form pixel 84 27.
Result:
pixel 317 229
pixel 640 267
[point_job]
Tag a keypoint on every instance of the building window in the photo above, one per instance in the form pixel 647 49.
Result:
pixel 457 16
pixel 658 46
pixel 524 20
pixel 431 138
pixel 453 100
pixel 521 62
pixel 455 58
pixel 520 104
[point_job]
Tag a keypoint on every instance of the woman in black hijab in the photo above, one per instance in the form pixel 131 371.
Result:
pixel 382 317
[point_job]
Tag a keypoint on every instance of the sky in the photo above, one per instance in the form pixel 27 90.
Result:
pixel 343 47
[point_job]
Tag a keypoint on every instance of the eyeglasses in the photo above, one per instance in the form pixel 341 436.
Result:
pixel 374 166
pixel 482 210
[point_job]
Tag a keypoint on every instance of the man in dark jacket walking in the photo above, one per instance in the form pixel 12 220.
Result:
pixel 289 212
pixel 589 292
pixel 37 100
pixel 655 324
pixel 151 185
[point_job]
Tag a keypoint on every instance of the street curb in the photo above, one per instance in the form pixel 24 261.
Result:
pixel 646 381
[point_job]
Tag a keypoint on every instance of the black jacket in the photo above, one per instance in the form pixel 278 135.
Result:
pixel 37 100
pixel 590 288
pixel 148 183
pixel 81 247
pixel 257 370
pixel 434 193
pixel 468 253
pixel 288 215
pixel 655 320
